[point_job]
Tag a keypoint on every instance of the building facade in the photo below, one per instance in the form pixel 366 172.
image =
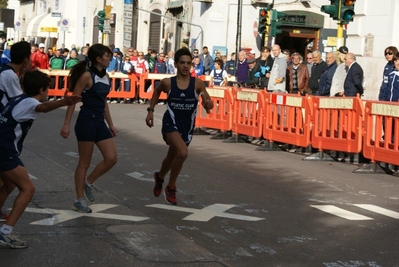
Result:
pixel 166 25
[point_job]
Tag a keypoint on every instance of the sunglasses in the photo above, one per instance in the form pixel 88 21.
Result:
pixel 389 53
pixel 130 51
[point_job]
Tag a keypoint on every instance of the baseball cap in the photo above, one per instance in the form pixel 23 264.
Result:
pixel 343 50
pixel 116 50
pixel 41 45
pixel 251 60
pixel 252 51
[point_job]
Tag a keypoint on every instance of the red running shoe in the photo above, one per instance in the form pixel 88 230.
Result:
pixel 3 216
pixel 158 184
pixel 170 194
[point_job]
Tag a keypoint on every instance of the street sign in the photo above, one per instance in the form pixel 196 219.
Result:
pixel 17 25
pixel 48 29
pixel 64 25
pixel 107 27
pixel 56 14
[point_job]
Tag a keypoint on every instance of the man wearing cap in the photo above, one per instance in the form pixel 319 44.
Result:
pixel 206 60
pixel 277 79
pixel 253 73
pixel 338 80
pixel 40 58
pixel 147 57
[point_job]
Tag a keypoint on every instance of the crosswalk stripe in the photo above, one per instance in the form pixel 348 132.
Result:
pixel 379 210
pixel 341 213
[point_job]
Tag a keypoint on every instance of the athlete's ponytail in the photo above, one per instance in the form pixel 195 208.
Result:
pixel 75 74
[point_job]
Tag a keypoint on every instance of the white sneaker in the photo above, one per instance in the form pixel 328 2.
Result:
pixel 114 102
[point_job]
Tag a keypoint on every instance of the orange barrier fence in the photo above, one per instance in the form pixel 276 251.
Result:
pixel 381 132
pixel 248 108
pixel 147 84
pixel 117 84
pixel 337 124
pixel 287 118
pixel 220 116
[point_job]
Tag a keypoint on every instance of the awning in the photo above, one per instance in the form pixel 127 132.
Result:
pixel 43 26
pixel 175 4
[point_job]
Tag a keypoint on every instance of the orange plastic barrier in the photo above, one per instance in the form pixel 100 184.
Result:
pixel 152 77
pixel 115 93
pixel 287 118
pixel 220 117
pixel 248 112
pixel 337 124
pixel 381 143
pixel 58 74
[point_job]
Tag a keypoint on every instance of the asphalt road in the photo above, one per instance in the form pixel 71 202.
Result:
pixel 236 206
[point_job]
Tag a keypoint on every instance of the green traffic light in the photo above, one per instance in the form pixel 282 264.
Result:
pixel 101 13
pixel 276 23
pixel 330 9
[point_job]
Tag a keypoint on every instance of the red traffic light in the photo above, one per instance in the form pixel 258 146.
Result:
pixel 263 13
pixel 349 2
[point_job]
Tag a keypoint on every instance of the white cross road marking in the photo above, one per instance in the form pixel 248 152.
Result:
pixel 207 213
pixel 379 210
pixel 341 213
pixel 72 154
pixel 66 215
pixel 139 176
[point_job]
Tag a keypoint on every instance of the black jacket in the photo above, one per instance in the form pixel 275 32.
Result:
pixel 317 70
pixel 353 81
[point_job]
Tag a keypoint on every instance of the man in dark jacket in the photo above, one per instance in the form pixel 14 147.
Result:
pixel 327 76
pixel 354 77
pixel 253 73
pixel 318 68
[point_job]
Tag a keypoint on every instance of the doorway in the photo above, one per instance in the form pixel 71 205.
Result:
pixel 300 40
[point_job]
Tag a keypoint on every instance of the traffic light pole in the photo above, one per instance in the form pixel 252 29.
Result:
pixel 340 29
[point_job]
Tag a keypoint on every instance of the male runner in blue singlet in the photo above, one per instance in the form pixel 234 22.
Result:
pixel 178 121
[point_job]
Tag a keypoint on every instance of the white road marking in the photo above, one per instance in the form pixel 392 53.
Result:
pixel 66 215
pixel 379 210
pixel 32 177
pixel 207 213
pixel 341 212
pixel 72 154
pixel 139 176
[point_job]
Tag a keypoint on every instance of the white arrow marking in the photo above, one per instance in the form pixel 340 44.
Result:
pixel 207 213
pixel 341 212
pixel 379 210
pixel 66 215
pixel 139 176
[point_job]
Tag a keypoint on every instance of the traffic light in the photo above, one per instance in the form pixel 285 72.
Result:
pixel 262 21
pixel 332 9
pixel 276 23
pixel 347 11
pixel 101 19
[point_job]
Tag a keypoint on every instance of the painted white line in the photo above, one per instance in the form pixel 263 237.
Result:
pixel 207 213
pixel 32 177
pixel 60 216
pixel 139 176
pixel 379 210
pixel 72 154
pixel 341 213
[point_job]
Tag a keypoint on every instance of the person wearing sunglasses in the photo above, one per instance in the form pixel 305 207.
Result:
pixel 389 53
